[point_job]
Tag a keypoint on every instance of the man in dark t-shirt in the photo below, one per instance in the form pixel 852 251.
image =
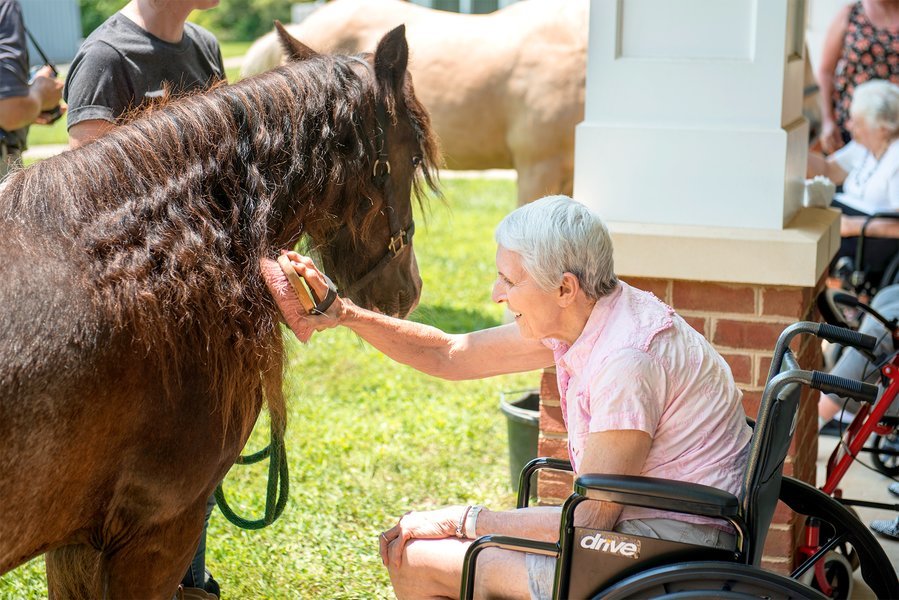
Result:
pixel 21 102
pixel 144 51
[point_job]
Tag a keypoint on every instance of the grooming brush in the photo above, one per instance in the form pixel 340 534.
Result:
pixel 291 293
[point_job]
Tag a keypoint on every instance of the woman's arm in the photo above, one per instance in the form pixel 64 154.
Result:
pixel 621 452
pixel 879 228
pixel 819 165
pixel 484 353
pixel 475 355
pixel 831 50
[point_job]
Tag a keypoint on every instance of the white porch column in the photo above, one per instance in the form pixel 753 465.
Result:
pixel 693 146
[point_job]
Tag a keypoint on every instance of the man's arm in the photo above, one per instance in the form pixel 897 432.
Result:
pixel 44 93
pixel 98 88
pixel 86 131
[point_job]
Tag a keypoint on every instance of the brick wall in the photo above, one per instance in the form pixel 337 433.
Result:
pixel 743 323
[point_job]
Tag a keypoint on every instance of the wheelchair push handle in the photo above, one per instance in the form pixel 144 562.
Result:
pixel 847 337
pixel 832 384
pixel 831 333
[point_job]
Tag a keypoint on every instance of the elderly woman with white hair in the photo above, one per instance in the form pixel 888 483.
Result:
pixel 868 169
pixel 641 393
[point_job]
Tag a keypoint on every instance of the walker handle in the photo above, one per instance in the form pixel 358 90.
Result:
pixel 832 384
pixel 848 337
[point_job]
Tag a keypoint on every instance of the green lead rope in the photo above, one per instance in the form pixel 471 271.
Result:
pixel 278 484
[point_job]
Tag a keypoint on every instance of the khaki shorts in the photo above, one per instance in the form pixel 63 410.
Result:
pixel 542 569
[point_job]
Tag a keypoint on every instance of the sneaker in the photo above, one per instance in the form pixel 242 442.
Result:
pixel 894 488
pixel 888 528
pixel 211 585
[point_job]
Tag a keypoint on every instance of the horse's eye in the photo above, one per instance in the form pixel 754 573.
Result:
pixel 416 162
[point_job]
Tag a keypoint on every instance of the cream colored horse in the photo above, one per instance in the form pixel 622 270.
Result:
pixel 504 90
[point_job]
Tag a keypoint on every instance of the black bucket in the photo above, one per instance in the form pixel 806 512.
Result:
pixel 522 410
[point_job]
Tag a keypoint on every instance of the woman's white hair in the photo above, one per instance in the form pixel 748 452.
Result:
pixel 555 235
pixel 877 102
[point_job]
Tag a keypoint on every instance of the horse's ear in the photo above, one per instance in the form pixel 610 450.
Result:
pixel 294 48
pixel 391 59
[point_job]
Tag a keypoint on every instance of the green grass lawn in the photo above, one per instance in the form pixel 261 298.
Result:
pixel 369 439
pixel 39 135
pixel 232 49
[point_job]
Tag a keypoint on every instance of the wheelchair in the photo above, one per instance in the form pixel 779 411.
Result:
pixel 860 276
pixel 593 563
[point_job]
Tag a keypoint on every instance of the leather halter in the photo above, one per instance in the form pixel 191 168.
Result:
pixel 400 237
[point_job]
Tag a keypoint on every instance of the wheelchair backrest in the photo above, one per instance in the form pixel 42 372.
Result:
pixel 770 442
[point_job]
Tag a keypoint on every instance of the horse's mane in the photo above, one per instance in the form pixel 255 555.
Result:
pixel 171 213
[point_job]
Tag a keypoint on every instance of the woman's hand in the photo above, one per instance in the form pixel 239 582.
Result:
pixel 830 137
pixel 432 524
pixel 306 269
pixel 298 314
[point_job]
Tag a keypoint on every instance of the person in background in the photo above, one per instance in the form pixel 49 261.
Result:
pixel 141 53
pixel 868 169
pixel 642 393
pixel 861 44
pixel 22 103
pixel 137 56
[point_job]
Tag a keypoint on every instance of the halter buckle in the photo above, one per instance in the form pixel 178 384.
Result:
pixel 397 243
pixel 379 162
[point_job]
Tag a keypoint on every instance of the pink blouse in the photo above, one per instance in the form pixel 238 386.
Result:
pixel 638 365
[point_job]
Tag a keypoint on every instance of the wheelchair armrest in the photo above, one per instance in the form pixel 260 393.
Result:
pixel 537 464
pixel 499 541
pixel 663 494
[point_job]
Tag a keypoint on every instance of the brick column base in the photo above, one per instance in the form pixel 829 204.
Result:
pixel 743 322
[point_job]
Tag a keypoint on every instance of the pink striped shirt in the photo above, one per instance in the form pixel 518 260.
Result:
pixel 638 365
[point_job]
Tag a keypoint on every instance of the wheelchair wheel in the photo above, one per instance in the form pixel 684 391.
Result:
pixel 886 463
pixel 709 580
pixel 837 571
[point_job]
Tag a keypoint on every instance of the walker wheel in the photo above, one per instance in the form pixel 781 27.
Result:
pixel 886 463
pixel 837 571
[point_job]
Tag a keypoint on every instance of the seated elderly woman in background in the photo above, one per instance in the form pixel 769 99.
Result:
pixel 642 393
pixel 868 169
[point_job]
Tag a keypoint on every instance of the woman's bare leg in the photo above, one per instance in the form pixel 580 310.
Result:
pixel 432 569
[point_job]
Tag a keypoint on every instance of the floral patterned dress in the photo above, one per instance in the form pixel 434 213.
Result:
pixel 868 53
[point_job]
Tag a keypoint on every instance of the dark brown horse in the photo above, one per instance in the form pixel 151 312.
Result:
pixel 138 342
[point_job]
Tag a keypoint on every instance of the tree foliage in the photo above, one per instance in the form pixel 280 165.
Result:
pixel 243 20
pixel 94 12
